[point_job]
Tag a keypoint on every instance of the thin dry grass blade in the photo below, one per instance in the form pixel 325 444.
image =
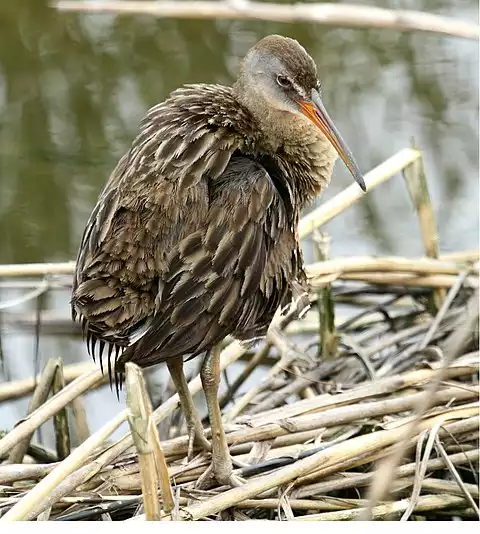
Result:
pixel 446 303
pixel 422 469
pixel 457 477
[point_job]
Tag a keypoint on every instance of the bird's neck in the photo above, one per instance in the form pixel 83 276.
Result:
pixel 294 141
pixel 305 155
pixel 310 163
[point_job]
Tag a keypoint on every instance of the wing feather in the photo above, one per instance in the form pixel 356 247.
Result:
pixel 214 284
pixel 156 197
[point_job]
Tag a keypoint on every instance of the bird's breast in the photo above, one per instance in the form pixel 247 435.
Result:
pixel 309 166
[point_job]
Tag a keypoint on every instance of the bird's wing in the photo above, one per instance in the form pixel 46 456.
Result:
pixel 157 195
pixel 216 284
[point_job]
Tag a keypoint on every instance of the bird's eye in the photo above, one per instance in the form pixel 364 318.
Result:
pixel 283 81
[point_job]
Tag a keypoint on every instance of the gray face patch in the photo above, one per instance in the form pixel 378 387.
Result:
pixel 262 69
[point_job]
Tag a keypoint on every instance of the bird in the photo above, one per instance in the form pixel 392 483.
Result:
pixel 195 235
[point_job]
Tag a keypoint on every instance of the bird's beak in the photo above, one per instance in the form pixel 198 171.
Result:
pixel 315 111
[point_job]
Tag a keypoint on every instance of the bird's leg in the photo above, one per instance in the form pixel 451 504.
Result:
pixel 194 425
pixel 221 461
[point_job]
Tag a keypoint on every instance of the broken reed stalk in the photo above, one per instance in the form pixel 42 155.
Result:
pixel 328 346
pixel 15 472
pixel 45 515
pixel 161 463
pixel 79 419
pixel 354 16
pixel 138 417
pixel 153 466
pixel 417 186
pixel 37 269
pixel 462 256
pixel 441 486
pixel 39 396
pixel 60 419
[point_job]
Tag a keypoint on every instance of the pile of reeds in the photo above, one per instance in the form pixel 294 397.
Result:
pixel 367 408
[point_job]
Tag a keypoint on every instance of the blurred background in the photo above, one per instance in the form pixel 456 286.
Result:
pixel 74 87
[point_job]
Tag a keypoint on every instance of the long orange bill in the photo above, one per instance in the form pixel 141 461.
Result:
pixel 315 111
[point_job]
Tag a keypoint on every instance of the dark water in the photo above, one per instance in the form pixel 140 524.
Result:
pixel 73 89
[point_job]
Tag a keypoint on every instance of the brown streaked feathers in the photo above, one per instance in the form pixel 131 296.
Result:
pixel 195 235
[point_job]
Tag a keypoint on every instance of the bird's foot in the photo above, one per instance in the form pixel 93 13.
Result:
pixel 222 474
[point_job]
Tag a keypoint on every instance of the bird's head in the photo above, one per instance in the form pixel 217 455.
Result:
pixel 278 74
